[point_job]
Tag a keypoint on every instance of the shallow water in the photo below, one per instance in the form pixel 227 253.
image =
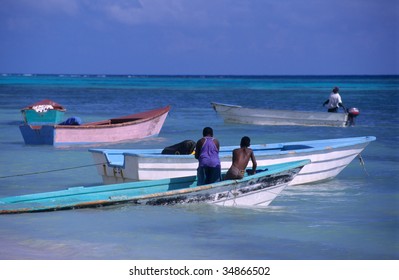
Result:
pixel 354 216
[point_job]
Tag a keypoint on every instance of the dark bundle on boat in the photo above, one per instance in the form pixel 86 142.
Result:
pixel 185 147
pixel 72 121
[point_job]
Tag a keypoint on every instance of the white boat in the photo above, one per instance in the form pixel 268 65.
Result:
pixel 239 114
pixel 328 158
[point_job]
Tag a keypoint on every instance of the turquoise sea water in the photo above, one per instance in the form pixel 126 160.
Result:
pixel 354 216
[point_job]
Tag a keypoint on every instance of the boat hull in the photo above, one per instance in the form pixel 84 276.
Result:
pixel 33 117
pixel 43 112
pixel 328 158
pixel 254 190
pixel 238 114
pixel 99 132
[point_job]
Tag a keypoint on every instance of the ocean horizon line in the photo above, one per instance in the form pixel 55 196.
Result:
pixel 77 75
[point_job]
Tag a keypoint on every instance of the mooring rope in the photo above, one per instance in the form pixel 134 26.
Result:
pixel 363 164
pixel 230 192
pixel 49 171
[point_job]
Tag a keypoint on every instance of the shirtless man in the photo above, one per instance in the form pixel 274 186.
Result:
pixel 241 157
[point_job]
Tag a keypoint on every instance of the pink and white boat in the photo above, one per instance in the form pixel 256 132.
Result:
pixel 135 126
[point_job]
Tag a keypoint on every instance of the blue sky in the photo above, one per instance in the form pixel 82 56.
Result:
pixel 199 37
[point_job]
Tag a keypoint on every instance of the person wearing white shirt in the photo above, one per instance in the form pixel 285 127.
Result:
pixel 334 101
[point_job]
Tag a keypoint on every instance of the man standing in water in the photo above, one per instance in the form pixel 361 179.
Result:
pixel 334 101
pixel 207 153
pixel 241 157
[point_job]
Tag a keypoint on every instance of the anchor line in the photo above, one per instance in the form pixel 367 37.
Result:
pixel 232 193
pixel 49 171
pixel 363 164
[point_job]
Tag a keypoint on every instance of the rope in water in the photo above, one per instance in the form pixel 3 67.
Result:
pixel 363 164
pixel 49 171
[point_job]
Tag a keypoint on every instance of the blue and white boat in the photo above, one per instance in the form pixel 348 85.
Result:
pixel 328 158
pixel 259 189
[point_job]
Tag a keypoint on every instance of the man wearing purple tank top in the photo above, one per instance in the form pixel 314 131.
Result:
pixel 207 153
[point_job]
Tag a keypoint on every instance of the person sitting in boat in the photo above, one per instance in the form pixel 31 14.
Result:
pixel 241 157
pixel 207 153
pixel 334 101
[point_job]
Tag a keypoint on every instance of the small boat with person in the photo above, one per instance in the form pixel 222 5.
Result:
pixel 72 132
pixel 259 189
pixel 259 116
pixel 328 158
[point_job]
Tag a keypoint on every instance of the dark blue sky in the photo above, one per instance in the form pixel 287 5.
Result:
pixel 210 37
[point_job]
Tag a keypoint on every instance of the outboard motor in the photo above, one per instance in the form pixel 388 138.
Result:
pixel 352 114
